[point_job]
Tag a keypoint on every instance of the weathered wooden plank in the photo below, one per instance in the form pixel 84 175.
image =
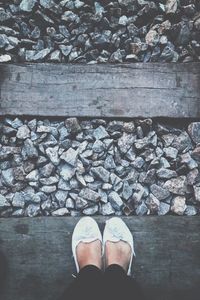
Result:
pixel 124 90
pixel 40 260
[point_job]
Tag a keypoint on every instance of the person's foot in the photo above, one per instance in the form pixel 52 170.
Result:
pixel 118 253
pixel 89 254
pixel 87 243
pixel 118 244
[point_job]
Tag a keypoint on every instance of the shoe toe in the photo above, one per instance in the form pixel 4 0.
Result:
pixel 86 230
pixel 116 230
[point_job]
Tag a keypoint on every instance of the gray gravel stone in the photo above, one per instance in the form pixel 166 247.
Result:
pixel 187 159
pixel 177 185
pixel 70 156
pixel 8 177
pixel 89 195
pixel 115 200
pixel 66 50
pixel 90 211
pixel 64 185
pixel 33 176
pixel 3 202
pixel 152 203
pixel 52 153
pixel 27 5
pixel 46 206
pixel 109 163
pixel 43 128
pixel 5 58
pixel 190 210
pixel 67 172
pixel 166 173
pixel 23 132
pixel 138 162
pixel 18 200
pixel 101 173
pixel 49 181
pixel 194 132
pixel 163 209
pixel 47 3
pixel 182 142
pixel 171 6
pixel 100 133
pixel 33 55
pixel 125 142
pixel 196 154
pixel 197 193
pixel 72 125
pixel 152 38
pixel 30 149
pixel 60 212
pixel 148 177
pixel 4 15
pixel 192 177
pixel 123 20
pixel 127 191
pixel 80 203
pixel 33 210
pixel 142 209
pixel 150 140
pixel 48 189
pixel 18 173
pixel 159 192
pixel 98 146
pixel 106 186
pixel 47 170
pixel 55 56
pixel 178 205
pixel 18 213
pixel 171 152
pixel 107 209
pixel 69 203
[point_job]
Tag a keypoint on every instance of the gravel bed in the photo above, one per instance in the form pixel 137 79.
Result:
pixel 97 166
pixel 97 32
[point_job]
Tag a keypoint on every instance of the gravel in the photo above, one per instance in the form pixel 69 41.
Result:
pixel 99 31
pixel 96 166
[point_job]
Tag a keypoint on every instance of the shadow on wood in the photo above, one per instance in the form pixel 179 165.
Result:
pixel 40 262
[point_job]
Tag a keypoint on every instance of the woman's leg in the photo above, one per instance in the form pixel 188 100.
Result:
pixel 87 252
pixel 119 254
pixel 87 284
pixel 118 285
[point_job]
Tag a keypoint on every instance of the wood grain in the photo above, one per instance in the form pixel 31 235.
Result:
pixel 40 261
pixel 118 90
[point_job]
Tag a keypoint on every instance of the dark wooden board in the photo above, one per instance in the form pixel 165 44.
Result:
pixel 40 260
pixel 111 90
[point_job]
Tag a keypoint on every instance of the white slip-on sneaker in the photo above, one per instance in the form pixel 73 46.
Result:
pixel 116 230
pixel 86 231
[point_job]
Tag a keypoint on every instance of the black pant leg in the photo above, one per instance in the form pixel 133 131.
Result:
pixel 118 285
pixel 87 285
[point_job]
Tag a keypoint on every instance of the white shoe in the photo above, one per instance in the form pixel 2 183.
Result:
pixel 86 231
pixel 115 231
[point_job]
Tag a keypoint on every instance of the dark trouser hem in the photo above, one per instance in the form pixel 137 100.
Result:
pixel 114 284
pixel 119 285
pixel 87 285
pixel 115 271
pixel 89 272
